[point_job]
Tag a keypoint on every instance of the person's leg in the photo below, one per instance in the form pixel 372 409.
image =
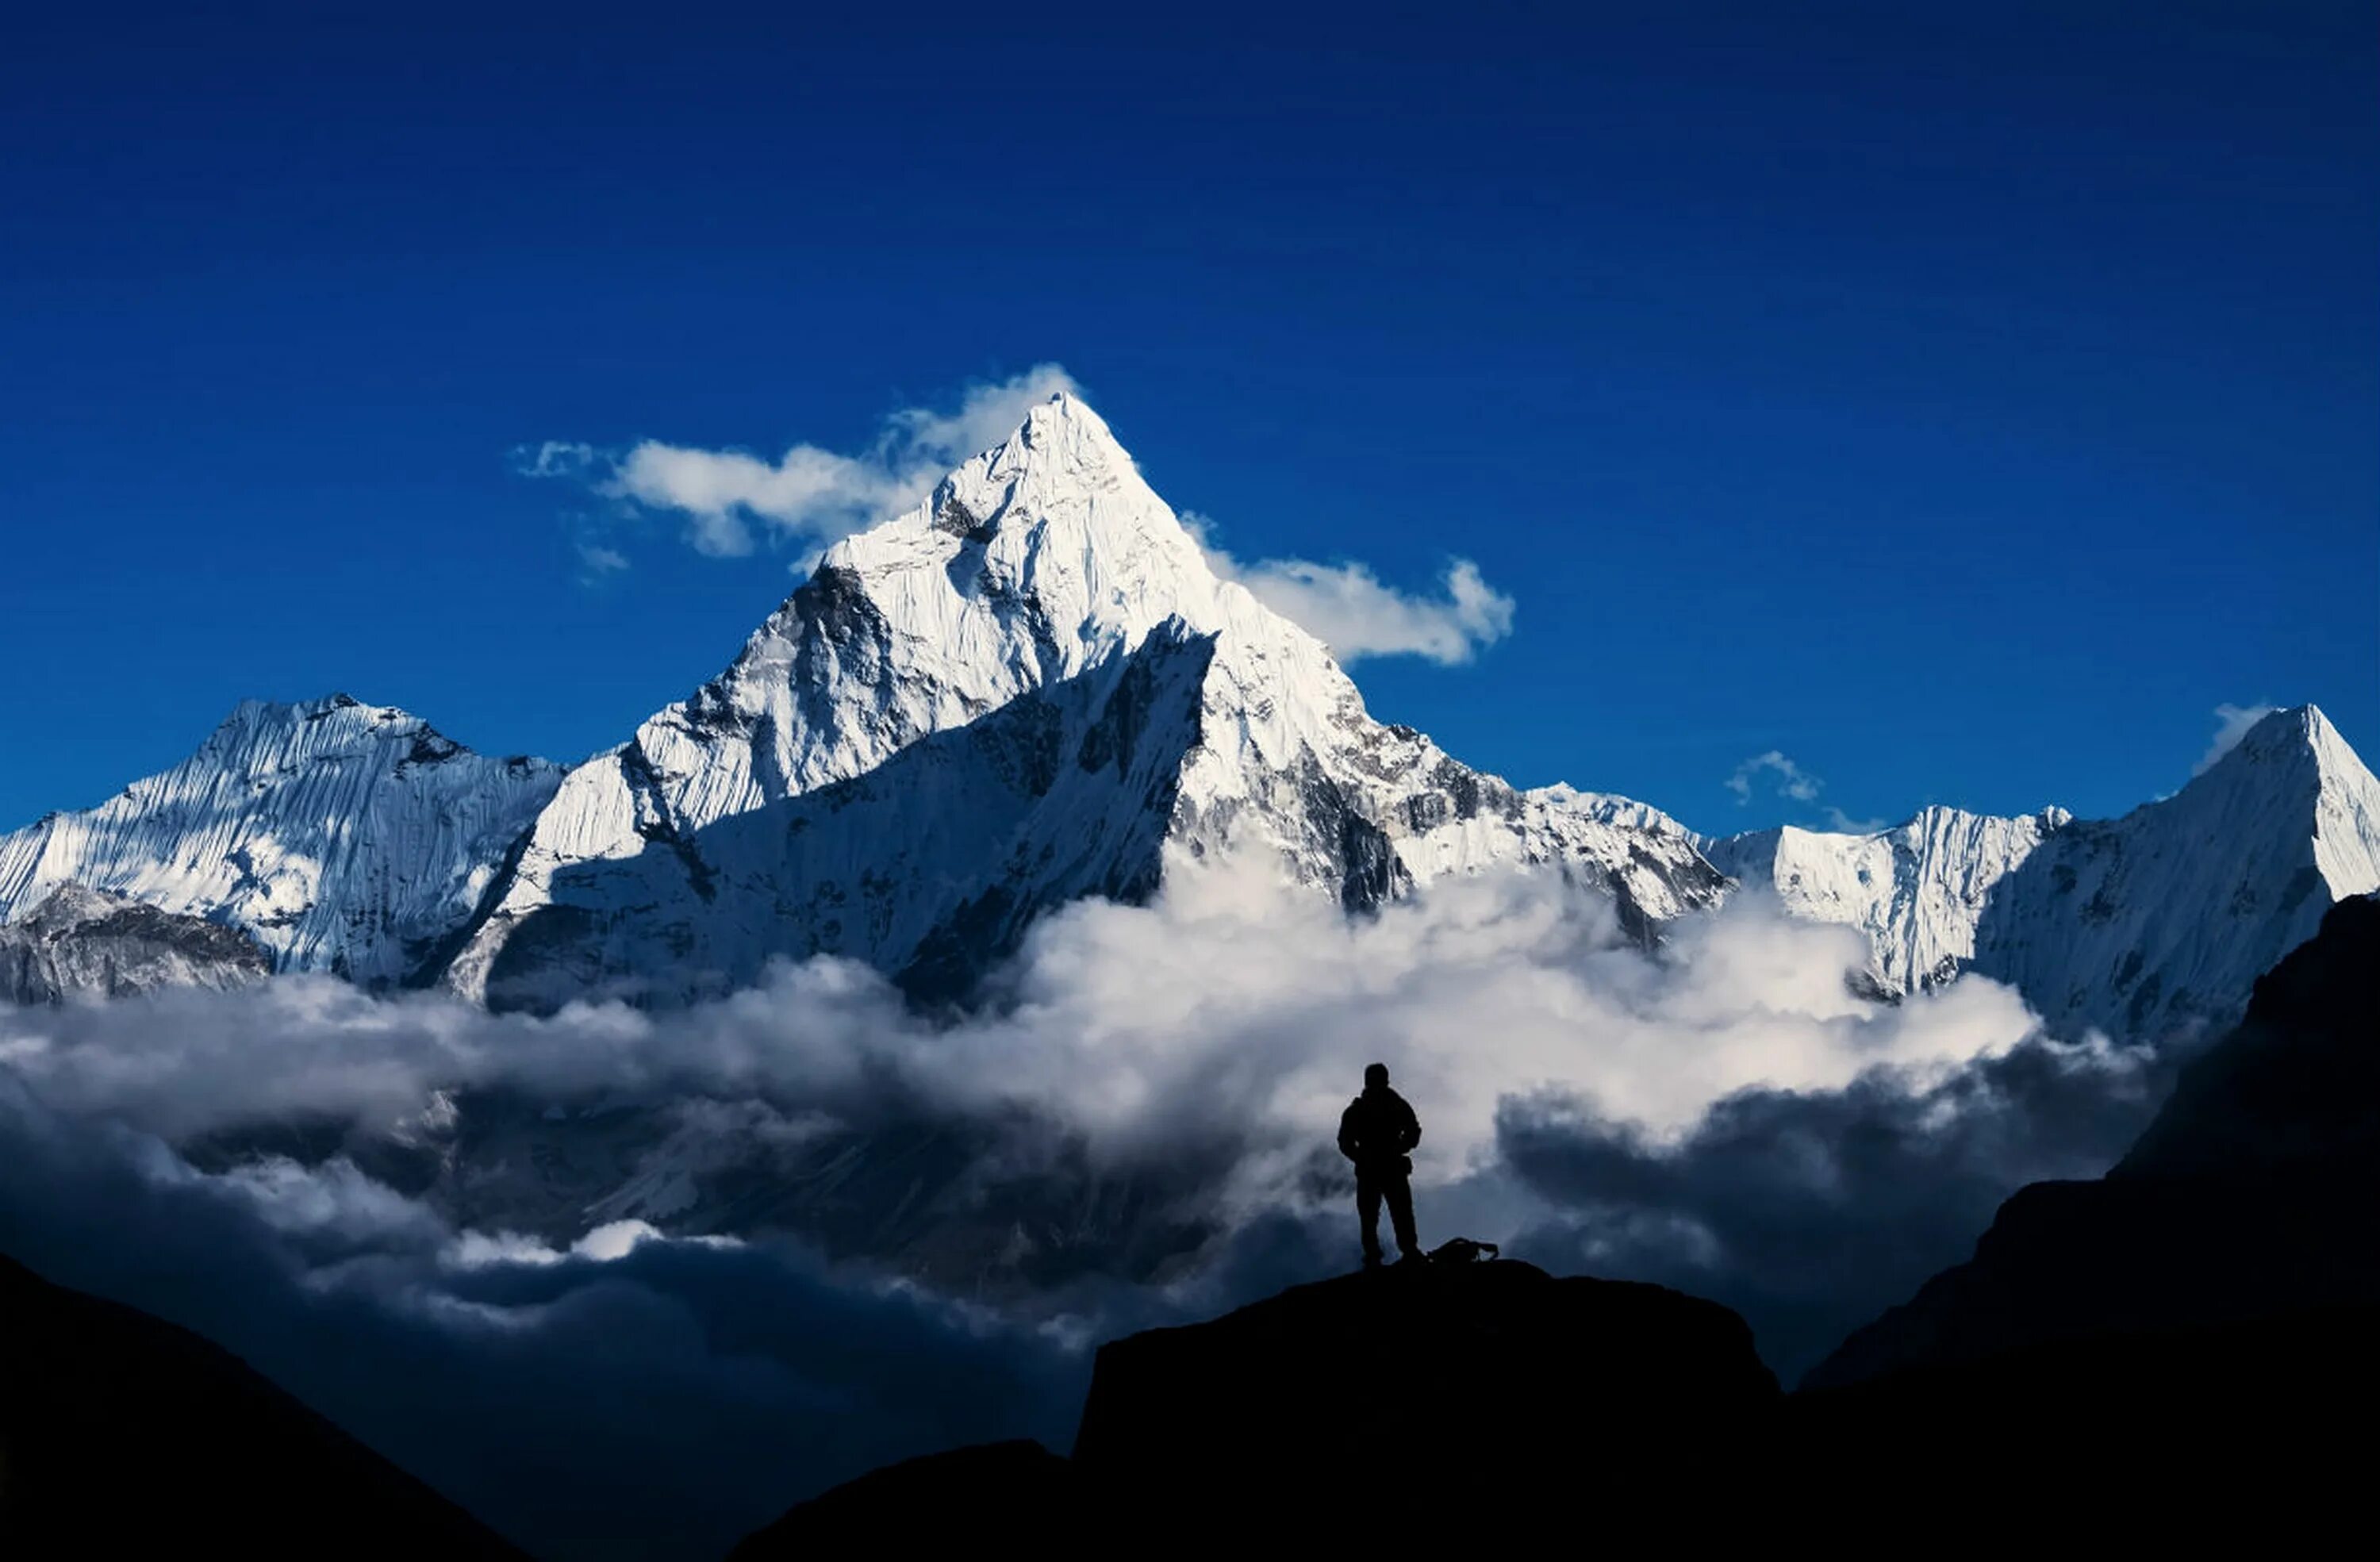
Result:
pixel 1368 1214
pixel 1399 1193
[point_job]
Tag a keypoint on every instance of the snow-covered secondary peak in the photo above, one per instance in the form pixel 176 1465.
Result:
pixel 1043 575
pixel 2152 924
pixel 340 836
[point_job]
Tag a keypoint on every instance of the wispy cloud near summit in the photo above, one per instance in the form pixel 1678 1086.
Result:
pixel 809 496
pixel 730 502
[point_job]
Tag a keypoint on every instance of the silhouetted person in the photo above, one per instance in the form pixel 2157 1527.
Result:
pixel 1377 1131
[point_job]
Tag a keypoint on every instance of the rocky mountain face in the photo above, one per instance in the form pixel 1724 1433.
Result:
pixel 2150 924
pixel 1033 687
pixel 122 1435
pixel 86 943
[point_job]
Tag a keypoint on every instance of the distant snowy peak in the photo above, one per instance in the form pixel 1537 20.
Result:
pixel 2153 923
pixel 2162 920
pixel 1916 891
pixel 86 943
pixel 340 836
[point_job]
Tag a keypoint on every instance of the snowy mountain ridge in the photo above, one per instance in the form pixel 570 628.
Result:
pixel 2158 921
pixel 1032 687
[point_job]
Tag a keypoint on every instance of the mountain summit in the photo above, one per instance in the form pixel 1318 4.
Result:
pixel 1031 687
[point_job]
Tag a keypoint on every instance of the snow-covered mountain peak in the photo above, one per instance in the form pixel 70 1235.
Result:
pixel 2297 737
pixel 1055 523
pixel 1041 616
pixel 340 835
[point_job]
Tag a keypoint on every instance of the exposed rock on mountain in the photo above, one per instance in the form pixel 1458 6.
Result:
pixel 85 943
pixel 123 1435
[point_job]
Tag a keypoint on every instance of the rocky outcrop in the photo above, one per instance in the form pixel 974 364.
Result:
pixel 124 1435
pixel 86 943
pixel 1422 1396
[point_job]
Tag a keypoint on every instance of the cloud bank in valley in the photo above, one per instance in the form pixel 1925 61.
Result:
pixel 1724 1115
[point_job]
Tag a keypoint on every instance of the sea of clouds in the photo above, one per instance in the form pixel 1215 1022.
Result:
pixel 1723 1114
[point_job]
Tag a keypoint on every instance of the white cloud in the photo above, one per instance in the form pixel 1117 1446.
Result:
pixel 1353 611
pixel 1348 608
pixel 727 501
pixel 596 561
pixel 554 458
pixel 1114 1038
pixel 1791 779
pixel 1118 1029
pixel 2231 724
pixel 809 495
pixel 1797 785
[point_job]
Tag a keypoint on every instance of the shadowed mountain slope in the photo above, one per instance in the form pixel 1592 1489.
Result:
pixel 123 1434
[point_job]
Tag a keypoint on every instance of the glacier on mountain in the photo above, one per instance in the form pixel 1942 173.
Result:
pixel 340 836
pixel 1033 687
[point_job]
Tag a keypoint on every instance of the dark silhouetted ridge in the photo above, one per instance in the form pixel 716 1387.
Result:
pixel 125 1436
pixel 1459 1390
pixel 2198 1332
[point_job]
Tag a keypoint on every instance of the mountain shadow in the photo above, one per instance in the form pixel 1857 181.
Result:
pixel 123 1434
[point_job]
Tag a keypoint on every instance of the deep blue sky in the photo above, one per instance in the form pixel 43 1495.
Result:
pixel 1962 404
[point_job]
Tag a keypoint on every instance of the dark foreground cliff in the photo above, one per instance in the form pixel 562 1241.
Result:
pixel 1422 1396
pixel 124 1435
pixel 2198 1332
